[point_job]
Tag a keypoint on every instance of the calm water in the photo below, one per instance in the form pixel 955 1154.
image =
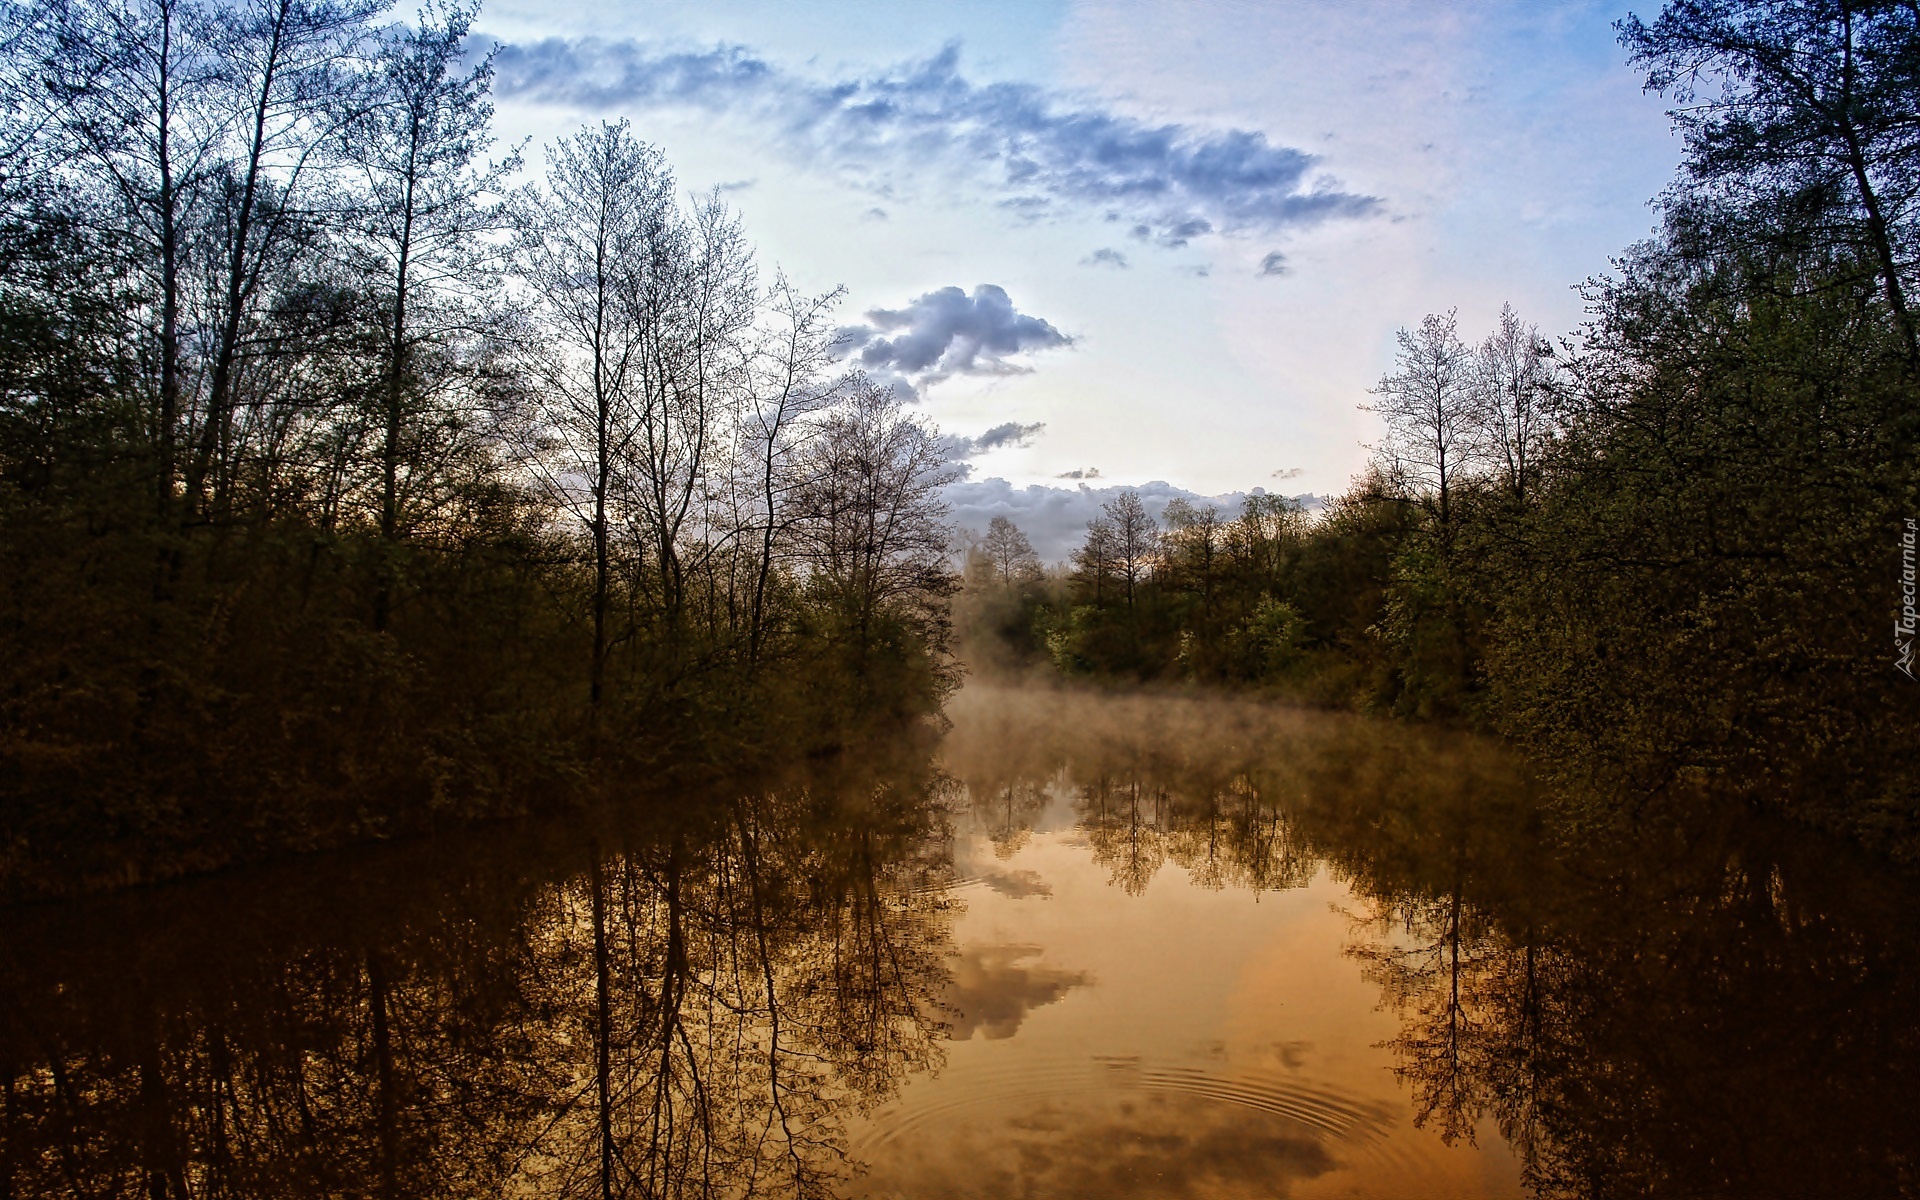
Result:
pixel 1094 948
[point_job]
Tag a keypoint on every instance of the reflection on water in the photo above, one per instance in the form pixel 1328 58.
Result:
pixel 1101 948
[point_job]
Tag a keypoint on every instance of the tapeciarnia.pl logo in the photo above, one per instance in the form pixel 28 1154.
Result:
pixel 1903 627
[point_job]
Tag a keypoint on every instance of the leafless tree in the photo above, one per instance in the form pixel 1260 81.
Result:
pixel 1009 553
pixel 1094 560
pixel 608 199
pixel 874 526
pixel 792 381
pixel 1136 541
pixel 133 99
pixel 697 302
pixel 1513 371
pixel 1432 412
pixel 428 225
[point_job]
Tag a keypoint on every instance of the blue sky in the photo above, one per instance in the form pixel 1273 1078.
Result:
pixel 1161 242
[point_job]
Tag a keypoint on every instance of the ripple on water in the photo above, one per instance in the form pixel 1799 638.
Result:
pixel 1006 1091
pixel 1121 1128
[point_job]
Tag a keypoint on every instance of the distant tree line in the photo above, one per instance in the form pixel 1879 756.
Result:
pixel 349 483
pixel 1667 547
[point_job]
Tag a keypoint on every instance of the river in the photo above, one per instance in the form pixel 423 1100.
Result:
pixel 1079 946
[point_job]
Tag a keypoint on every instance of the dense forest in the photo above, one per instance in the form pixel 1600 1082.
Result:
pixel 351 483
pixel 1666 551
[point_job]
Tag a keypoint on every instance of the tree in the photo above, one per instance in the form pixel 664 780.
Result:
pixel 1799 113
pixel 1093 561
pixel 1009 553
pixel 280 68
pixel 696 302
pixel 1136 541
pixel 425 229
pixel 586 242
pixel 874 531
pixel 1514 378
pixel 134 95
pixel 790 384
pixel 1432 414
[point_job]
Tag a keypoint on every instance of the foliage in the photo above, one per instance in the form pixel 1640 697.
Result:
pixel 347 489
pixel 1667 549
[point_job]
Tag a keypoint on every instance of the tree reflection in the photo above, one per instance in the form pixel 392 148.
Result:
pixel 689 1009
pixel 1710 1006
pixel 1706 1005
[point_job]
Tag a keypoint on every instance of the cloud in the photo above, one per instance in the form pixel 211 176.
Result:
pixel 1017 885
pixel 1275 263
pixel 1080 473
pixel 1041 152
pixel 945 333
pixel 1012 433
pixel 1055 518
pixel 1106 256
pixel 1174 236
pixel 1289 473
pixel 991 991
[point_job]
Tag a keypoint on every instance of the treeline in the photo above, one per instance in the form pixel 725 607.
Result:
pixel 1667 547
pixel 349 483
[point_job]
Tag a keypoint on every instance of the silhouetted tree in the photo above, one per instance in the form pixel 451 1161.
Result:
pixel 1798 119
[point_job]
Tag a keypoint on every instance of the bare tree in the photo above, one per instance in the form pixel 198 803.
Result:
pixel 586 239
pixel 1094 560
pixel 1136 541
pixel 1009 553
pixel 1432 413
pixel 875 532
pixel 1514 375
pixel 792 366
pixel 281 93
pixel 133 95
pixel 428 219
pixel 697 302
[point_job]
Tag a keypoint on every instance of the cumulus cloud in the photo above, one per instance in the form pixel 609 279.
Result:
pixel 1043 152
pixel 1275 263
pixel 1080 473
pixel 1106 256
pixel 1055 518
pixel 1289 473
pixel 948 332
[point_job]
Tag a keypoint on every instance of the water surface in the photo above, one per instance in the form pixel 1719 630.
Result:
pixel 1089 947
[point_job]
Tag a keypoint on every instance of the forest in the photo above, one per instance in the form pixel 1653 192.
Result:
pixel 357 480
pixel 1666 552
pixel 351 484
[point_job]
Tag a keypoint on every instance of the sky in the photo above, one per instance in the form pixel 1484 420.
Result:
pixel 1112 244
